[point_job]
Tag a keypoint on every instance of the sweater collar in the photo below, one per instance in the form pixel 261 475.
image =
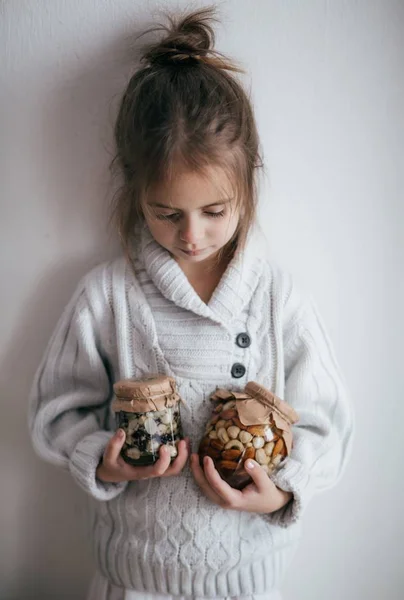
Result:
pixel 233 292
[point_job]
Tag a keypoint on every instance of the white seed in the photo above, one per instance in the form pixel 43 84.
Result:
pixel 133 453
pixel 249 445
pixel 228 405
pixel 150 426
pixel 269 434
pixel 269 448
pixel 258 442
pixel 166 418
pixel 277 460
pixel 153 446
pixel 133 426
pixel 173 450
pixel 141 419
pixel 220 424
pixel 161 428
pixel 213 434
pixel 245 437
pixel 222 435
pixel 233 432
pixel 261 457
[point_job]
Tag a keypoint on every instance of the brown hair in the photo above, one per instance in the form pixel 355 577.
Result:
pixel 184 109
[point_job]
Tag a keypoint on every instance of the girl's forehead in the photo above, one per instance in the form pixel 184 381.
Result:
pixel 189 188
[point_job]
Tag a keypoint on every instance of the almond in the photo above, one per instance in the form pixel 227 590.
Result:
pixel 228 414
pixel 227 464
pixel 217 444
pixel 231 454
pixel 213 452
pixel 249 453
pixel 279 448
pixel 257 430
pixel 238 423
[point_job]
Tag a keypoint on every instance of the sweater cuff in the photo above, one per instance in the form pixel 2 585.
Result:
pixel 84 462
pixel 295 478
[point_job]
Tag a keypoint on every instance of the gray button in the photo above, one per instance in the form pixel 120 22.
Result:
pixel 238 370
pixel 243 340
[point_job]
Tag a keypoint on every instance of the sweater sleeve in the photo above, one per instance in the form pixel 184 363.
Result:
pixel 315 389
pixel 70 396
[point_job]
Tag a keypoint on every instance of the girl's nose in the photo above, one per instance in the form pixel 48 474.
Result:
pixel 191 231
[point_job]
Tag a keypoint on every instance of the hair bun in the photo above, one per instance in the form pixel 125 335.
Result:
pixel 190 39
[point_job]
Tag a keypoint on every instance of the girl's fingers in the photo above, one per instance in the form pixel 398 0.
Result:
pixel 179 463
pixel 259 477
pixel 229 496
pixel 113 448
pixel 200 479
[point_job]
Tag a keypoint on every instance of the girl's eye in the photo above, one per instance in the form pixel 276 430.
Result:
pixel 215 214
pixel 171 217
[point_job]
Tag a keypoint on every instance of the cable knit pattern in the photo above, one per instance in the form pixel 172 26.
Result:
pixel 163 535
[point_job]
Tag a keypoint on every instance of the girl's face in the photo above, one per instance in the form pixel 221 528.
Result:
pixel 194 216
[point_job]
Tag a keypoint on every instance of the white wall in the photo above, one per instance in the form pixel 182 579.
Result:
pixel 328 86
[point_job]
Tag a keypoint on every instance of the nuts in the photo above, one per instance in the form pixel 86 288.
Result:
pixel 161 428
pixel 245 437
pixel 234 444
pixel 218 444
pixel 166 418
pixel 257 430
pixel 222 435
pixel 228 464
pixel 133 453
pixel 279 447
pixel 147 432
pixel 230 443
pixel 232 454
pixel 229 414
pixel 258 442
pixel 249 453
pixel 233 432
pixel 277 460
pixel 261 457
pixel 173 450
pixel 238 423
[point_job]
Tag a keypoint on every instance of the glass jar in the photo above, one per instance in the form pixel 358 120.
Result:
pixel 148 410
pixel 251 424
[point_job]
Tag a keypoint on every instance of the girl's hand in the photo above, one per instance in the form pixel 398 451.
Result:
pixel 113 469
pixel 261 496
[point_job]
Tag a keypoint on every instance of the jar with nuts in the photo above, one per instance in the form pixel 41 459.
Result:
pixel 148 411
pixel 251 424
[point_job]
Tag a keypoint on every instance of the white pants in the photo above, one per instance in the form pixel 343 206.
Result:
pixel 102 589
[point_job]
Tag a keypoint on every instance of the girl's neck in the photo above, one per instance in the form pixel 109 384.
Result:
pixel 205 276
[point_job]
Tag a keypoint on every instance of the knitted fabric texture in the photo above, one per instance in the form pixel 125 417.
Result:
pixel 162 535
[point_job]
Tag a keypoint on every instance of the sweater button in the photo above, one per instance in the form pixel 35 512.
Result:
pixel 238 370
pixel 243 340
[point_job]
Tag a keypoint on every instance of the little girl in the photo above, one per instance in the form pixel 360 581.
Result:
pixel 193 297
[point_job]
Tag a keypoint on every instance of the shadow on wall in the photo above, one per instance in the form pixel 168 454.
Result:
pixel 49 555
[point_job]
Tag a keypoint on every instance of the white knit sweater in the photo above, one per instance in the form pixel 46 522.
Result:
pixel 163 535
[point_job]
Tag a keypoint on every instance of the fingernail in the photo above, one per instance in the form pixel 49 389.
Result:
pixel 120 433
pixel 249 464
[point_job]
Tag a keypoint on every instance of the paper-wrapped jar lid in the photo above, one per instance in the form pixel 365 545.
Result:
pixel 269 399
pixel 142 395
